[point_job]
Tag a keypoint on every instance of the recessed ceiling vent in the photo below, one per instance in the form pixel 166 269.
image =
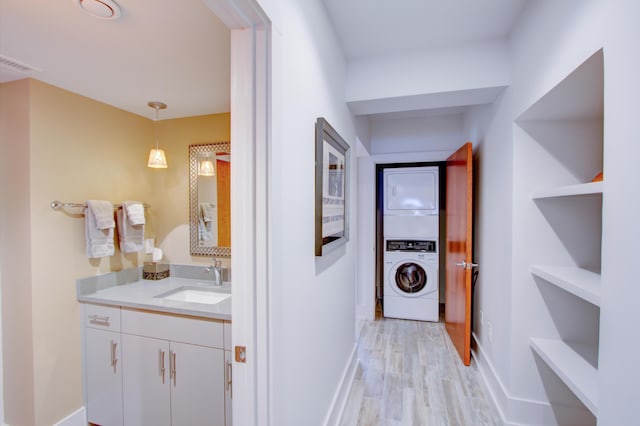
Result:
pixel 15 65
pixel 101 9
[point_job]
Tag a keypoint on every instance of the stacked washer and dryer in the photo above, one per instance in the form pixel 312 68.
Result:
pixel 410 231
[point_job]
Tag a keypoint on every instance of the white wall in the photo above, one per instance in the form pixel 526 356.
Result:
pixel 312 298
pixel 363 134
pixel 451 76
pixel 419 134
pixel 619 374
pixel 541 59
pixel 549 41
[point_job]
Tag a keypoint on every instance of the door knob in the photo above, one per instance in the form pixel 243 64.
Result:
pixel 465 265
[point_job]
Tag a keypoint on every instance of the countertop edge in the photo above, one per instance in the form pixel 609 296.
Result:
pixel 154 308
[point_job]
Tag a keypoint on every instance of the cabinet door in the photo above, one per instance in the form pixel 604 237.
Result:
pixel 228 388
pixel 197 385
pixel 146 381
pixel 103 377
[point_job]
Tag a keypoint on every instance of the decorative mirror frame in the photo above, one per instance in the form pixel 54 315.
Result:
pixel 194 151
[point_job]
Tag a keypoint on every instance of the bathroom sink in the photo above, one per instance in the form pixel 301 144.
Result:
pixel 195 295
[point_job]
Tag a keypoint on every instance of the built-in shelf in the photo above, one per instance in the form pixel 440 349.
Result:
pixel 580 376
pixel 591 188
pixel 577 281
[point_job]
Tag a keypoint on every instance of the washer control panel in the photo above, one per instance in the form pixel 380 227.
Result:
pixel 425 246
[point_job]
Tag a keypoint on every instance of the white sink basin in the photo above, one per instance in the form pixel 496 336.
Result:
pixel 195 295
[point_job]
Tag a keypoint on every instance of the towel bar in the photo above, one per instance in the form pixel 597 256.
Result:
pixel 57 205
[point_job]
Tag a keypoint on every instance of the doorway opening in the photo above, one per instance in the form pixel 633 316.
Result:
pixel 380 276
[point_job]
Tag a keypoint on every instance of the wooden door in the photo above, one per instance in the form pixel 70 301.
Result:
pixel 223 182
pixel 458 250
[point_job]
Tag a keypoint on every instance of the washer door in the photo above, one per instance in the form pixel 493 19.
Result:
pixel 411 279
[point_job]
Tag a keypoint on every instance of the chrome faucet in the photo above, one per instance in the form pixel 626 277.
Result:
pixel 216 269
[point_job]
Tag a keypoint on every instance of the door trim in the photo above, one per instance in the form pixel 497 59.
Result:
pixel 251 135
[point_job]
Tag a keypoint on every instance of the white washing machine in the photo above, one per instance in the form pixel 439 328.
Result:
pixel 411 279
pixel 416 227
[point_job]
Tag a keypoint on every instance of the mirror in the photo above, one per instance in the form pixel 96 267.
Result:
pixel 210 199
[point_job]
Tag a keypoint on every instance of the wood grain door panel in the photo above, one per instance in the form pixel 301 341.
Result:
pixel 458 250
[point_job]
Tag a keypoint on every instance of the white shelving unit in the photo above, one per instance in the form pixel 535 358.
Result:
pixel 580 376
pixel 561 153
pixel 591 188
pixel 577 281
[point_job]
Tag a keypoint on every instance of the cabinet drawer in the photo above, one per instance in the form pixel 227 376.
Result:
pixel 197 331
pixel 101 317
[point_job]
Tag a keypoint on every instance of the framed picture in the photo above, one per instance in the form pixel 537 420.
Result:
pixel 332 188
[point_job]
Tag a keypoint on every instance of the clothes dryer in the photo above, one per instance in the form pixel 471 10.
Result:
pixel 411 279
pixel 411 191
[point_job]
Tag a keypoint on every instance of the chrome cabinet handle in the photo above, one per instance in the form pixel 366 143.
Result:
pixel 114 357
pixel 173 366
pixel 97 319
pixel 161 363
pixel 229 374
pixel 465 265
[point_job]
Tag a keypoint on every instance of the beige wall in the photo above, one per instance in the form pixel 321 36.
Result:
pixel 70 148
pixel 172 187
pixel 15 247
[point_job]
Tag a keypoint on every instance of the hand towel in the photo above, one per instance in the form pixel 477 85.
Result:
pixel 135 212
pixel 98 233
pixel 207 211
pixel 131 236
pixel 102 212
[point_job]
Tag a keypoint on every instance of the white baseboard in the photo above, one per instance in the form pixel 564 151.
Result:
pixel 513 411
pixel 342 393
pixel 77 418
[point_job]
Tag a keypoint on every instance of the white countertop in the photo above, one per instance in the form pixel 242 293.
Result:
pixel 142 294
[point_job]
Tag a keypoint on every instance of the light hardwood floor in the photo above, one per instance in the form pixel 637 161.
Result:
pixel 410 374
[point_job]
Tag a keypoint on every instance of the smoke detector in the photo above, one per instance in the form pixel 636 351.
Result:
pixel 101 9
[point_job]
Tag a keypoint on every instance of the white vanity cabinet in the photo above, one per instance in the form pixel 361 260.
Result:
pixel 172 370
pixel 172 383
pixel 197 388
pixel 228 378
pixel 147 400
pixel 103 366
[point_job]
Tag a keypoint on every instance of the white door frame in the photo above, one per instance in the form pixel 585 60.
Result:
pixel 250 147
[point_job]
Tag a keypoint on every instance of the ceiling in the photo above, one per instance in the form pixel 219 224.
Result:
pixel 177 52
pixel 380 27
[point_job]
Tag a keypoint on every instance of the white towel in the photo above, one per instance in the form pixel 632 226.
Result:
pixel 98 229
pixel 102 213
pixel 207 211
pixel 135 212
pixel 131 236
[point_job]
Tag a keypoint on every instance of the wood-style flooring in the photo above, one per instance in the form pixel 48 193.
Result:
pixel 410 374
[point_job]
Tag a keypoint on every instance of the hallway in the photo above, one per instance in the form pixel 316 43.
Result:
pixel 410 374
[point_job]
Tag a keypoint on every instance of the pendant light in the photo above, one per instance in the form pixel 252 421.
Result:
pixel 206 168
pixel 157 159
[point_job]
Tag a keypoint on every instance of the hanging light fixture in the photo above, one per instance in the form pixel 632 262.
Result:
pixel 206 167
pixel 157 159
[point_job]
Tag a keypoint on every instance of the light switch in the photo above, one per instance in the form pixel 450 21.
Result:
pixel 148 245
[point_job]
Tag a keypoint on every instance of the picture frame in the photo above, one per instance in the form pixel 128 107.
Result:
pixel 332 189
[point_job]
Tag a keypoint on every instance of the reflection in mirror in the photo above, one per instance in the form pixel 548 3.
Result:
pixel 210 199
